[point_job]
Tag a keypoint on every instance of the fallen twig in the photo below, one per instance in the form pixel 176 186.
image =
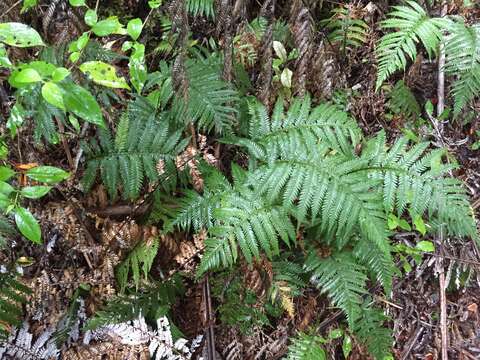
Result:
pixel 411 343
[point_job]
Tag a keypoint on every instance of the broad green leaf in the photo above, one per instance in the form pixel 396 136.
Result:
pixel 429 108
pixel 77 2
pixel 127 45
pixel 47 174
pixel 335 334
pixel 43 68
pixel 28 225
pixel 80 43
pixel 136 65
pixel 426 246
pixel 82 103
pixel 392 222
pixel 6 188
pixel 404 225
pixel 27 4
pixel 134 28
pixel 15 119
pixel 103 74
pixel 19 35
pixel 26 76
pixel 74 121
pixel 108 26
pixel 155 4
pixel 419 224
pixel 280 50
pixel 74 56
pixel 347 346
pixel 286 78
pixel 6 173
pixel 91 17
pixel 59 74
pixel 35 192
pixel 53 94
pixel 4 60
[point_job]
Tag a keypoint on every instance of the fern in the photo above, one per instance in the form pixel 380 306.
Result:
pixel 331 191
pixel 343 279
pixel 247 221
pixel 154 302
pixel 370 330
pixel 140 143
pixel 41 113
pixel 412 25
pixel 211 102
pixel 140 259
pixel 12 295
pixel 462 59
pixel 413 178
pixel 346 30
pixel 298 130
pixel 305 171
pixel 403 102
pixel 6 230
pixel 201 7
pixel 306 347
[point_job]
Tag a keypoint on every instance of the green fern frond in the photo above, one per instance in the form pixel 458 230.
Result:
pixel 6 230
pixel 196 210
pixel 154 301
pixel 380 264
pixel 140 259
pixel 297 131
pixel 211 101
pixel 462 60
pixel 414 179
pixel 403 102
pixel 343 279
pixel 346 30
pixel 13 295
pixel 201 7
pixel 411 25
pixel 132 156
pixel 289 273
pixel 333 193
pixel 370 330
pixel 247 221
pixel 306 347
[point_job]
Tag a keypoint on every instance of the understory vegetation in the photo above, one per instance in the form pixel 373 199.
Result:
pixel 191 179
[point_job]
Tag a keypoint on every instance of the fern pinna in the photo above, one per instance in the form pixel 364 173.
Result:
pixel 142 139
pixel 411 25
pixel 462 52
pixel 13 294
pixel 305 173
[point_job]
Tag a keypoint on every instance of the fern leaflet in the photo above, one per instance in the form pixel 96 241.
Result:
pixel 462 59
pixel 412 25
pixel 343 279
pixel 306 347
pixel 12 295
pixel 139 144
